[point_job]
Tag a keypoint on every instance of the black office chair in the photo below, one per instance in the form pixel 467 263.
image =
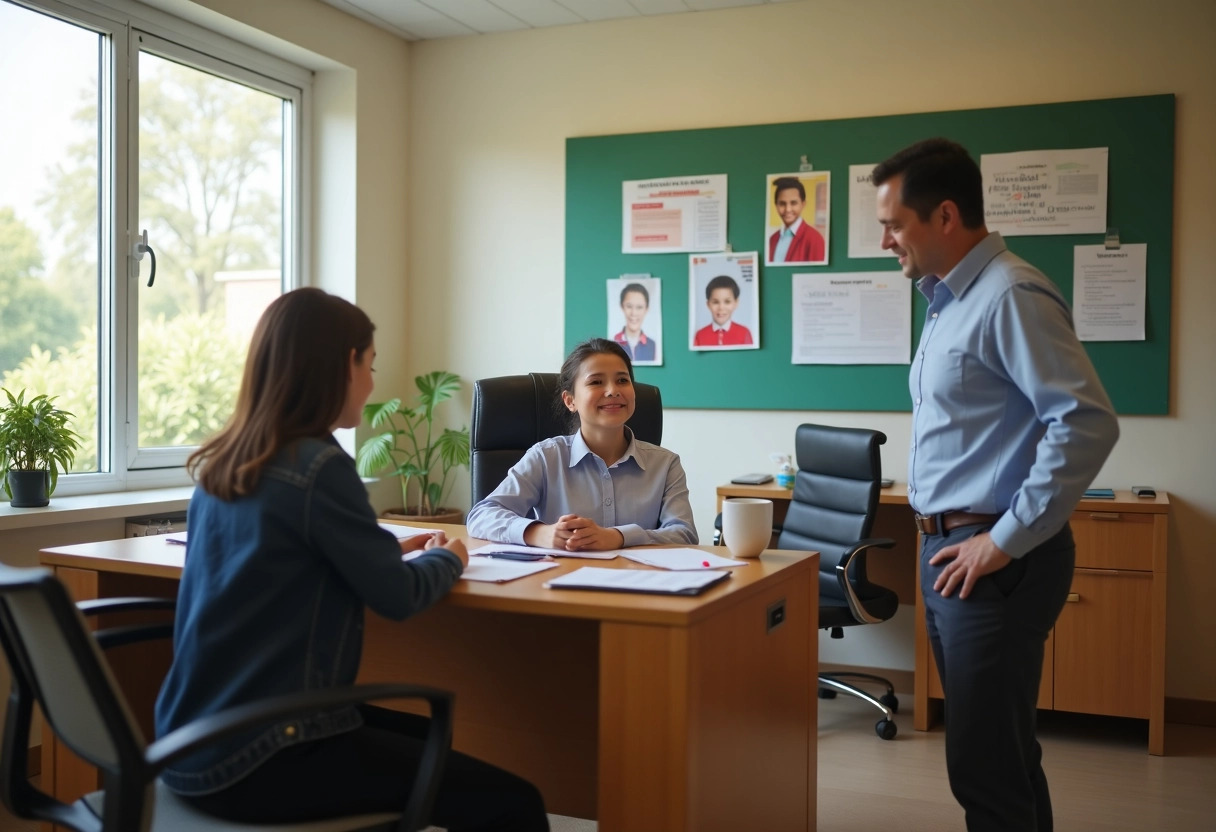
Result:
pixel 56 662
pixel 831 512
pixel 513 413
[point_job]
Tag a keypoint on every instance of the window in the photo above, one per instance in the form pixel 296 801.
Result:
pixel 117 126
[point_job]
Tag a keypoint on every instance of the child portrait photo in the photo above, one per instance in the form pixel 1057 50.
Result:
pixel 635 317
pixel 797 218
pixel 724 301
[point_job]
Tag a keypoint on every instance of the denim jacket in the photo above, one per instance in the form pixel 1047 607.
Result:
pixel 271 602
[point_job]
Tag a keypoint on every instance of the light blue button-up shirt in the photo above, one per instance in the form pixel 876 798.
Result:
pixel 1008 414
pixel 784 239
pixel 644 494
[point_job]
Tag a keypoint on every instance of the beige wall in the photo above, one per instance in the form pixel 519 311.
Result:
pixel 489 116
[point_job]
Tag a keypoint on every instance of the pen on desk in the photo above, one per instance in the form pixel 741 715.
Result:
pixel 174 540
pixel 516 556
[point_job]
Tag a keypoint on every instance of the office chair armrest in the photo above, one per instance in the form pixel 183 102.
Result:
pixel 208 729
pixel 842 576
pixel 118 636
pixel 205 730
pixel 102 606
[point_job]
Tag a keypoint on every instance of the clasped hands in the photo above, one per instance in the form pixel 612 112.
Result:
pixel 432 541
pixel 574 534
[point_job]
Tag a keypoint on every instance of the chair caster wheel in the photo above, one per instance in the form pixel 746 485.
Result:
pixel 827 693
pixel 885 729
pixel 891 701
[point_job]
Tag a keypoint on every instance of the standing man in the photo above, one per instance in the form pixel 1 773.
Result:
pixel 1009 426
pixel 797 241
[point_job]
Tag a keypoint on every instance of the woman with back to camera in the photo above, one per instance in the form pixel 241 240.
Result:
pixel 599 487
pixel 284 552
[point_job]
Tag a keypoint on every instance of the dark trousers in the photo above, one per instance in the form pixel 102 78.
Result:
pixel 989 652
pixel 371 770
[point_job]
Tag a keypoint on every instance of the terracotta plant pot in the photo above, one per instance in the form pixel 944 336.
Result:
pixel 30 489
pixel 447 516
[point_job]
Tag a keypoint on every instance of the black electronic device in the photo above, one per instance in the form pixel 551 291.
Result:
pixel 1145 491
pixel 752 479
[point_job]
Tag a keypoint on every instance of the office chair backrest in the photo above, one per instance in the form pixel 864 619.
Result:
pixel 513 413
pixel 835 496
pixel 57 662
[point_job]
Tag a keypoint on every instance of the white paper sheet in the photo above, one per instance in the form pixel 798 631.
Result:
pixel 500 571
pixel 1108 292
pixel 1046 191
pixel 683 213
pixel 402 532
pixel 682 560
pixel 865 231
pixel 859 318
pixel 637 580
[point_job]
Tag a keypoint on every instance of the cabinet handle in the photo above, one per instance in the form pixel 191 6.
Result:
pixel 1104 515
pixel 1073 597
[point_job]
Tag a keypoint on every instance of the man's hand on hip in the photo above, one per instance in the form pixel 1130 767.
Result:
pixel 968 561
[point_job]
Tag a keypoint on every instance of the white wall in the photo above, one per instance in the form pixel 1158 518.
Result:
pixel 489 116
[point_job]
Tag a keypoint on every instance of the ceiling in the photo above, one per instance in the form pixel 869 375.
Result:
pixel 434 19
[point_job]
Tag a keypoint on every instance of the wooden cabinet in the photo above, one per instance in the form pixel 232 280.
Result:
pixel 1106 654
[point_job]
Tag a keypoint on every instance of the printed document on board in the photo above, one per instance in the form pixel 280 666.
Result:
pixel 1108 290
pixel 1046 191
pixel 680 213
pixel 865 232
pixel 860 318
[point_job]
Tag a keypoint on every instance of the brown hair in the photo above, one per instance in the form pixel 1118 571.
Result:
pixel 935 170
pixel 294 386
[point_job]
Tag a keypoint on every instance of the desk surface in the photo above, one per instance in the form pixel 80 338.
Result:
pixel 153 557
pixel 650 712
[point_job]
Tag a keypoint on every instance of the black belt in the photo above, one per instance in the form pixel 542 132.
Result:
pixel 951 520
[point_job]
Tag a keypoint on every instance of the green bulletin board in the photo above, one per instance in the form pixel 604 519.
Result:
pixel 1138 131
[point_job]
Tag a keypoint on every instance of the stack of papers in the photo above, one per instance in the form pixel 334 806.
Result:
pixel 639 580
pixel 681 559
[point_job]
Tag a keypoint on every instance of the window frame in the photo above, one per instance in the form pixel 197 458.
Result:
pixel 126 29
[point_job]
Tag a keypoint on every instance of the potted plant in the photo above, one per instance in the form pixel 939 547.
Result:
pixel 35 445
pixel 414 453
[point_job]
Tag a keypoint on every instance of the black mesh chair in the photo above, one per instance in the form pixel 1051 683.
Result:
pixel 513 413
pixel 832 511
pixel 58 663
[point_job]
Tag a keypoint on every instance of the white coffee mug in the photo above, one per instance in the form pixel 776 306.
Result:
pixel 747 525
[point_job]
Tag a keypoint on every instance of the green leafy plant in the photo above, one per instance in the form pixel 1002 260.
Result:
pixel 410 447
pixel 35 436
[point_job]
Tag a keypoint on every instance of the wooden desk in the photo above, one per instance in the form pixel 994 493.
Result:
pixel 645 712
pixel 1106 654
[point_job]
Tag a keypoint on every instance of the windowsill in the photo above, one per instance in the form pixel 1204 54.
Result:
pixel 82 508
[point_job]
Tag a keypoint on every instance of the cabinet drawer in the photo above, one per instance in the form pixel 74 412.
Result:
pixel 1113 540
pixel 1103 649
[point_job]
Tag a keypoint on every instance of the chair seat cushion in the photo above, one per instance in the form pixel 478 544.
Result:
pixel 835 612
pixel 172 814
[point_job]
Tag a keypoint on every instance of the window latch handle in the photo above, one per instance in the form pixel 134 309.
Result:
pixel 141 245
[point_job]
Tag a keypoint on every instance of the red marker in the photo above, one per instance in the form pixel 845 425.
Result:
pixel 705 563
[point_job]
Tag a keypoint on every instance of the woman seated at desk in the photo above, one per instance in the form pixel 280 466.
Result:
pixel 284 553
pixel 599 487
